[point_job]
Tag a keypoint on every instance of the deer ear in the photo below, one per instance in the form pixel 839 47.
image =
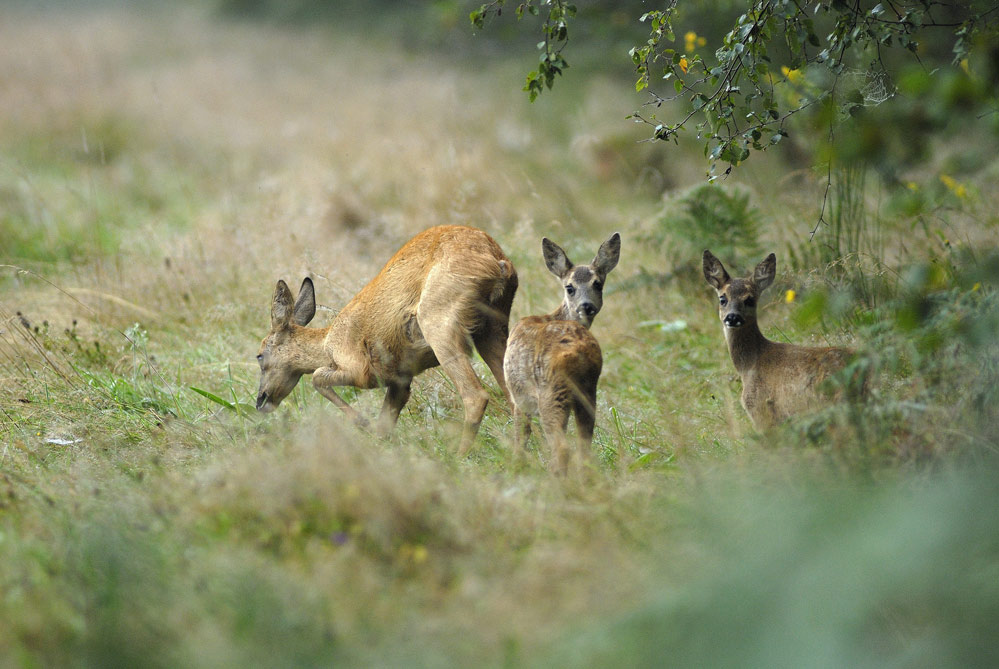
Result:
pixel 608 254
pixel 556 260
pixel 305 307
pixel 765 272
pixel 714 271
pixel 281 306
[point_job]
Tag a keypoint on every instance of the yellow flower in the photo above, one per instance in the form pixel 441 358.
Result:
pixel 958 189
pixel 417 554
pixel 913 186
pixel 692 40
pixel 977 287
pixel 789 296
pixel 794 76
pixel 683 65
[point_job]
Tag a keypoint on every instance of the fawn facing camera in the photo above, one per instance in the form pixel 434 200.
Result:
pixel 553 362
pixel 778 379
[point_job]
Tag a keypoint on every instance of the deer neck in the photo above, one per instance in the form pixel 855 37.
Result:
pixel 565 313
pixel 307 348
pixel 746 344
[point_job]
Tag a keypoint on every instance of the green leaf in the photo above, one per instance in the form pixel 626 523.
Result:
pixel 214 398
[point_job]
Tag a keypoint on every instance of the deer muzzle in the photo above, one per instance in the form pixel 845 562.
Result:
pixel 264 405
pixel 734 320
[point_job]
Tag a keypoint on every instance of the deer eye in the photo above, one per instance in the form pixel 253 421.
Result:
pixel 750 302
pixel 597 285
pixel 570 290
pixel 723 300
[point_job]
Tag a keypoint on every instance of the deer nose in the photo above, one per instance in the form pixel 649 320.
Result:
pixel 734 320
pixel 261 401
pixel 588 309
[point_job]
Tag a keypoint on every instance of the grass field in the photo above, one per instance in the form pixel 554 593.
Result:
pixel 160 171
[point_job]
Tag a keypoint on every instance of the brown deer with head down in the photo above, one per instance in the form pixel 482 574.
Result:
pixel 778 379
pixel 553 362
pixel 447 288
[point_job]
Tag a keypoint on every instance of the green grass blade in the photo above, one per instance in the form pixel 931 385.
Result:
pixel 215 398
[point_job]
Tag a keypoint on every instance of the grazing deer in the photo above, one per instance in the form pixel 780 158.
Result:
pixel 553 362
pixel 778 379
pixel 445 289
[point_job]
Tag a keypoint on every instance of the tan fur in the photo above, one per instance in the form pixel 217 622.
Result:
pixel 778 379
pixel 553 362
pixel 447 288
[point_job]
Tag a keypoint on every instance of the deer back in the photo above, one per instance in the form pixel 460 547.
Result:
pixel 788 379
pixel 441 266
pixel 551 360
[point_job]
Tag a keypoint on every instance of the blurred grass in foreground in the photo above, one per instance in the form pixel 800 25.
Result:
pixel 903 574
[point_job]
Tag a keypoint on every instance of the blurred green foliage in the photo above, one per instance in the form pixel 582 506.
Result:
pixel 927 354
pixel 858 577
pixel 748 86
pixel 715 217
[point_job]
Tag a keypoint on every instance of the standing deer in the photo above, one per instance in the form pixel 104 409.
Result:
pixel 553 362
pixel 778 379
pixel 448 287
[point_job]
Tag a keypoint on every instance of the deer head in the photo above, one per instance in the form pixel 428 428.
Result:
pixel 582 285
pixel 282 362
pixel 737 298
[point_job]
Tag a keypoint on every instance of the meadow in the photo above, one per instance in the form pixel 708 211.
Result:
pixel 160 170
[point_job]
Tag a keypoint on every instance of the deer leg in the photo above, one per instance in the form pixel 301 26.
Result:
pixel 325 379
pixel 521 432
pixel 473 397
pixel 554 418
pixel 444 323
pixel 490 342
pixel 452 350
pixel 395 399
pixel 584 409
